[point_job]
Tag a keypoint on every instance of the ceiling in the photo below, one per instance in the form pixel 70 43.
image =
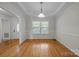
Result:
pixel 33 8
pixel 49 8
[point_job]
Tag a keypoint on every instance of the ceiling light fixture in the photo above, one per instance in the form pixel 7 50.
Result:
pixel 41 15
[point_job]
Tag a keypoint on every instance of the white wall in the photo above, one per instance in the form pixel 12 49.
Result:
pixel 0 29
pixel 26 28
pixel 15 10
pixel 67 27
pixel 13 28
pixel 23 35
pixel 2 18
pixel 12 22
pixel 51 29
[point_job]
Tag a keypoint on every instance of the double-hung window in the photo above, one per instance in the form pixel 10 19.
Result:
pixel 40 27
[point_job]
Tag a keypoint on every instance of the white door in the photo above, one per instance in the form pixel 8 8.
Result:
pixel 6 30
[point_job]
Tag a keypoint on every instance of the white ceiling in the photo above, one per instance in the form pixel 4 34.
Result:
pixel 49 8
pixel 33 8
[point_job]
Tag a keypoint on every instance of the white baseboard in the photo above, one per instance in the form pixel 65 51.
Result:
pixel 76 51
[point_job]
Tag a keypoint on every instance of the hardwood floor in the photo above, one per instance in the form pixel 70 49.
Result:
pixel 44 48
pixel 9 48
pixel 34 48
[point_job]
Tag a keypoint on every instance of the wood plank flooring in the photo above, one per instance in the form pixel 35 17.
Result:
pixel 9 48
pixel 34 48
pixel 44 48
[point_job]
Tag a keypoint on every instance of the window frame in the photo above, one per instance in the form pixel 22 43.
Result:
pixel 41 28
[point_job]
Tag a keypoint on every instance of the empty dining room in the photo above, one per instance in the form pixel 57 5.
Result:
pixel 39 29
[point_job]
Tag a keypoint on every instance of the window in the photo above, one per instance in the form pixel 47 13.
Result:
pixel 40 27
pixel 17 27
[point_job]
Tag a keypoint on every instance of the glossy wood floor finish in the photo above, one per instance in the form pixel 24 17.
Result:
pixel 34 48
pixel 44 48
pixel 9 48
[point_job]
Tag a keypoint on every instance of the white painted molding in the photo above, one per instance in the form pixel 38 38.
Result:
pixel 71 34
pixel 23 8
pixel 52 14
pixel 76 51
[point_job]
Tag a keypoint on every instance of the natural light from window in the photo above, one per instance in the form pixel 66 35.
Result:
pixel 40 27
pixel 18 28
